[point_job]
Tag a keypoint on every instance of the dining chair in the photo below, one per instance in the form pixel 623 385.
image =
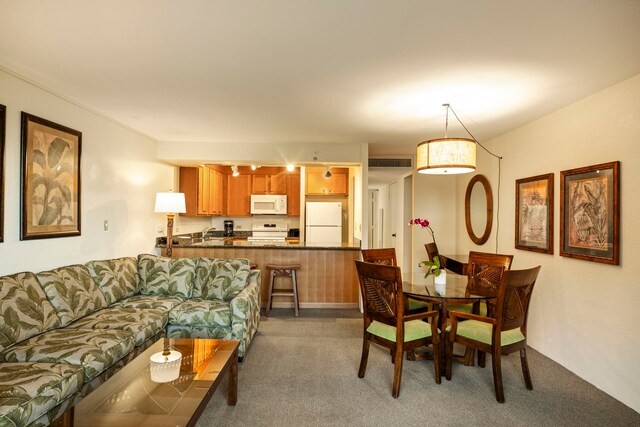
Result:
pixel 504 333
pixel 386 324
pixel 387 256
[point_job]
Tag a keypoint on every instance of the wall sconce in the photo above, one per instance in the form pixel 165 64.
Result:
pixel 171 204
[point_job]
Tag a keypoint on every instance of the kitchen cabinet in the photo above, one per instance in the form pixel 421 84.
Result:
pixel 318 184
pixel 293 195
pixel 269 184
pixel 239 195
pixel 203 190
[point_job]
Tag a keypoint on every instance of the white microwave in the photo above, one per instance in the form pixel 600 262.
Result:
pixel 268 204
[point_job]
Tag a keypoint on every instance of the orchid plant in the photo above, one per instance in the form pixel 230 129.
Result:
pixel 434 266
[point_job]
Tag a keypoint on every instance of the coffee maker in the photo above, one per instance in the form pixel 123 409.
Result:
pixel 228 228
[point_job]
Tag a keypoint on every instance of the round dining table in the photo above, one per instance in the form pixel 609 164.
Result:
pixel 444 297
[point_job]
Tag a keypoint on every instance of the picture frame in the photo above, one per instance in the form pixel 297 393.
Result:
pixel 50 197
pixel 3 126
pixel 534 213
pixel 590 213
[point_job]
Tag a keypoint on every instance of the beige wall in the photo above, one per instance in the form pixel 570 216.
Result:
pixel 120 176
pixel 584 315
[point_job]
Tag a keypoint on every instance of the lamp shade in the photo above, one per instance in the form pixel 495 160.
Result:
pixel 170 203
pixel 446 156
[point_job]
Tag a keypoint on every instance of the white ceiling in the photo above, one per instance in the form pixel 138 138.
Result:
pixel 335 71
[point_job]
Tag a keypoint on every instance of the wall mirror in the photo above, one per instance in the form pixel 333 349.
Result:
pixel 478 209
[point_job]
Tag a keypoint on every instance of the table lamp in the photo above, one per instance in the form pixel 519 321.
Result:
pixel 165 366
pixel 171 204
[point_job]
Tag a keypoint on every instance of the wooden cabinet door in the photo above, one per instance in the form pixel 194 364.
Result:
pixel 293 195
pixel 216 193
pixel 189 186
pixel 203 190
pixel 239 195
pixel 317 184
pixel 260 184
pixel 278 184
pixel 337 184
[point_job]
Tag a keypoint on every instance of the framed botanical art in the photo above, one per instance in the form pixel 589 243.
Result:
pixel 3 117
pixel 50 195
pixel 590 213
pixel 534 213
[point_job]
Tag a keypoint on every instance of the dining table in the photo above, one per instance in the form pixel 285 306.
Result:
pixel 452 293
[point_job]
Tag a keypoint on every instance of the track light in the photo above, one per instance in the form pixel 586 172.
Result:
pixel 290 167
pixel 234 170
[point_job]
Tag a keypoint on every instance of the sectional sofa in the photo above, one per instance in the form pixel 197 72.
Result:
pixel 65 331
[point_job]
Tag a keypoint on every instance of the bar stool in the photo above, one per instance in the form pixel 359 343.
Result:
pixel 278 270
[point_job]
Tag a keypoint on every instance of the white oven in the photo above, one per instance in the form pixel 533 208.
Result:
pixel 268 204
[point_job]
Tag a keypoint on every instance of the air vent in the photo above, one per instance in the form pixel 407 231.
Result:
pixel 389 163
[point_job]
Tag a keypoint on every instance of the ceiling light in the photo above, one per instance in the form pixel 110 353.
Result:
pixel 234 170
pixel 327 174
pixel 254 167
pixel 290 167
pixel 446 155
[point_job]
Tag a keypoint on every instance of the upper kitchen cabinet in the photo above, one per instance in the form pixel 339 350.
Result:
pixel 239 195
pixel 269 180
pixel 293 194
pixel 319 182
pixel 204 191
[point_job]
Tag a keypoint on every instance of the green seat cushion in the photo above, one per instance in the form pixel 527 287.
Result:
pixel 154 302
pixel 416 305
pixel 468 308
pixel 413 330
pixel 201 312
pixel 30 390
pixel 481 331
pixel 143 324
pixel 94 351
pixel 25 310
pixel 116 278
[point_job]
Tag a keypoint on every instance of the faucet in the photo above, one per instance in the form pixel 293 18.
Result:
pixel 207 230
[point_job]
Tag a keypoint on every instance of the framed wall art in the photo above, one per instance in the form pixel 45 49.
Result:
pixel 3 121
pixel 50 195
pixel 590 213
pixel 534 213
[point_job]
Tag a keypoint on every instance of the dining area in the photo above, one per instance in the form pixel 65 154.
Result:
pixel 460 309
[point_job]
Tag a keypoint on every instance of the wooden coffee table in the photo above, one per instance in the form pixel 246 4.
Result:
pixel 131 398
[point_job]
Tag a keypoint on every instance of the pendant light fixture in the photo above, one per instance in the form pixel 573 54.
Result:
pixel 447 155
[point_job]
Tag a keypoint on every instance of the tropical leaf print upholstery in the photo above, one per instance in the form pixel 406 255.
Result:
pixel 116 278
pixel 199 331
pixel 143 324
pixel 221 279
pixel 166 276
pixel 245 313
pixel 72 292
pixel 155 302
pixel 30 390
pixel 94 351
pixel 24 309
pixel 202 313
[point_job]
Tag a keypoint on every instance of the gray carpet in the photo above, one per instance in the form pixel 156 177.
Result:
pixel 303 372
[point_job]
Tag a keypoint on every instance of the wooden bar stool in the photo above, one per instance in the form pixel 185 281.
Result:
pixel 278 270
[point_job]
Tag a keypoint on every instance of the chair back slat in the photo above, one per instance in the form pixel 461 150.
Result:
pixel 385 256
pixel 432 251
pixel 485 271
pixel 514 296
pixel 380 286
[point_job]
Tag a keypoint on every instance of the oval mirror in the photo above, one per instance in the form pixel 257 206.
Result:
pixel 478 209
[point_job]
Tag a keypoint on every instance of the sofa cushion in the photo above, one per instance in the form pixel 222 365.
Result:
pixel 200 331
pixel 166 276
pixel 72 292
pixel 94 351
pixel 25 310
pixel 143 324
pixel 221 279
pixel 201 312
pixel 116 278
pixel 29 390
pixel 155 302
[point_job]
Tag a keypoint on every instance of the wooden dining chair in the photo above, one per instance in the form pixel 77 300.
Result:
pixel 504 333
pixel 386 324
pixel 387 256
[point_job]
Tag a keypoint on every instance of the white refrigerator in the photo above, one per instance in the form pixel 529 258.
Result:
pixel 323 222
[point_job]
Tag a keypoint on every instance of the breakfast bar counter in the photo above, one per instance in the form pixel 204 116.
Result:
pixel 327 277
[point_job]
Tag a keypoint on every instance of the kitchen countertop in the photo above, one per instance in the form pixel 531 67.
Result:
pixel 232 242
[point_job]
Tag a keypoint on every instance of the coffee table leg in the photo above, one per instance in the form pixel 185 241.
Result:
pixel 232 396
